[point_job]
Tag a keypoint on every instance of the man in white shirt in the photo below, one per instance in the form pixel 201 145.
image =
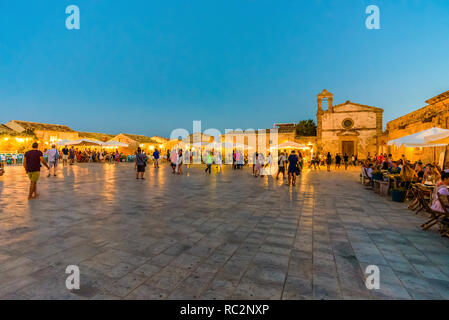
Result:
pixel 53 156
pixel 369 171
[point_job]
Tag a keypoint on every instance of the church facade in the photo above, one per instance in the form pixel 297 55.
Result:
pixel 348 128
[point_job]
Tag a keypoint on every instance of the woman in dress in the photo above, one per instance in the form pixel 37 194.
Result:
pixel 293 163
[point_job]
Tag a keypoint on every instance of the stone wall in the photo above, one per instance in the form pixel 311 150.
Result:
pixel 434 114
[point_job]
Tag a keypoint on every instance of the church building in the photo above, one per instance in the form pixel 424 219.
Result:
pixel 348 128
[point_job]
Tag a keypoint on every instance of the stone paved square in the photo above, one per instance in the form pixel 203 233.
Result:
pixel 224 236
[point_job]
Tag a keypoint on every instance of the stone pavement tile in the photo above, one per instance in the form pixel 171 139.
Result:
pixel 324 267
pixel 220 286
pixel 105 296
pixel 87 290
pixel 270 259
pixel 430 271
pixel 200 251
pixel 249 289
pixel 120 270
pixel 186 261
pixel 441 287
pixel 147 270
pixel 177 249
pixel 148 292
pixel 266 273
pixel 125 285
pixel 275 249
pixel 14 262
pixel 217 258
pixel 162 260
pixel 49 289
pixel 246 250
pixel 13 297
pixel 227 248
pixel 297 289
pixel 168 278
pixel 420 295
pixel 415 282
pixel 325 288
pixel 12 286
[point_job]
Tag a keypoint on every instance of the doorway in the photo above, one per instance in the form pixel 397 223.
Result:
pixel 347 147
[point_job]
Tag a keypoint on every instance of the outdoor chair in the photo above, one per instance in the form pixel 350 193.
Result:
pixel 434 215
pixel 443 220
pixel 412 193
pixel 365 179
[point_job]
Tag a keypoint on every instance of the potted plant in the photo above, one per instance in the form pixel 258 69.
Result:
pixel 398 194
pixel 377 175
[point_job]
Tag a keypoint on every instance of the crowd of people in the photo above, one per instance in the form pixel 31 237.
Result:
pixel 327 160
pixel 408 172
pixel 289 165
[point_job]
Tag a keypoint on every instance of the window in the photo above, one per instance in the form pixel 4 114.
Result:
pixel 348 123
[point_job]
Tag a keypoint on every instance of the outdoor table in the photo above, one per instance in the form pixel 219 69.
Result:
pixel 428 188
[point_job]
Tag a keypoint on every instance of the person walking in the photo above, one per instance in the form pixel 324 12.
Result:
pixel 65 156
pixel 32 164
pixel 140 163
pixel 281 167
pixel 208 162
pixel 257 166
pixel 187 158
pixel 269 163
pixel 262 164
pixel 179 160
pixel 156 157
pixel 346 161
pixel 292 168
pixel 218 161
pixel 53 156
pixel 337 161
pixel 329 161
pixel 173 160
pixel 254 161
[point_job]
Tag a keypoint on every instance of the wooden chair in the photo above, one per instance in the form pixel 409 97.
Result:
pixel 443 221
pixel 434 215
pixel 412 193
pixel 365 179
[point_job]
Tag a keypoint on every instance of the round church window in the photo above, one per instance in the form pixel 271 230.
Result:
pixel 348 123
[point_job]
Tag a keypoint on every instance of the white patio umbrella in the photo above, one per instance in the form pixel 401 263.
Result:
pixel 439 138
pixel 419 139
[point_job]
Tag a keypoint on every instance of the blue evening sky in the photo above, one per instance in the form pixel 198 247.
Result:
pixel 148 67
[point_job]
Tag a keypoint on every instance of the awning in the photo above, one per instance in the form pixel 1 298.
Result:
pixel 419 139
pixel 439 138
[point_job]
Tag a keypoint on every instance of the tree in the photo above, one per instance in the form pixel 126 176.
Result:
pixel 306 128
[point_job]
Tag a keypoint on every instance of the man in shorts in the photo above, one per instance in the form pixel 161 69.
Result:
pixel 72 156
pixel 53 156
pixel 140 163
pixel 156 158
pixel 65 156
pixel 32 164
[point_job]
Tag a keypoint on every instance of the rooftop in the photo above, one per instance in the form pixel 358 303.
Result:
pixel 27 125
